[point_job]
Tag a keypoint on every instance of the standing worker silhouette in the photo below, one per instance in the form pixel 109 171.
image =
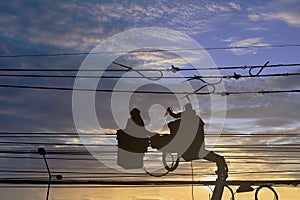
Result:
pixel 197 148
pixel 135 125
pixel 133 142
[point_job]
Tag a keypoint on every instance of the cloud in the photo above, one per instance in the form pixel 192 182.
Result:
pixel 248 42
pixel 286 82
pixel 217 8
pixel 273 122
pixel 81 25
pixel 285 11
pixel 256 111
pixel 258 28
pixel 291 18
pixel 235 6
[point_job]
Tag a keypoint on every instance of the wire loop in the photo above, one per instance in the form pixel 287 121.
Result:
pixel 140 73
pixel 259 71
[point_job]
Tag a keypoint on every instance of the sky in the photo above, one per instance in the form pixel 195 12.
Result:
pixel 259 132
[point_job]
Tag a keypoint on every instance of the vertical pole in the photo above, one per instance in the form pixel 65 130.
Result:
pixel 42 152
pixel 221 180
pixel 222 174
pixel 218 191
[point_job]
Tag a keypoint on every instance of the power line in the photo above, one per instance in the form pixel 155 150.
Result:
pixel 116 176
pixel 140 77
pixel 151 183
pixel 113 135
pixel 246 157
pixel 103 152
pixel 290 145
pixel 90 186
pixel 152 69
pixel 150 50
pixel 72 175
pixel 149 92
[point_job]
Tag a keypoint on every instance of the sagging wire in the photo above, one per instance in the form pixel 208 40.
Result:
pixel 174 165
pixel 228 187
pixel 173 68
pixel 148 50
pixel 235 75
pixel 268 187
pixel 140 73
pixel 160 71
pixel 155 175
pixel 207 84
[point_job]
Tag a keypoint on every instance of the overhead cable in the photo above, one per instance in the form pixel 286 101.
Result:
pixel 150 50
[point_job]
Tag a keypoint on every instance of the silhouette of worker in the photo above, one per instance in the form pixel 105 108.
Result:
pixel 133 142
pixel 187 122
pixel 188 111
pixel 136 126
pixel 198 145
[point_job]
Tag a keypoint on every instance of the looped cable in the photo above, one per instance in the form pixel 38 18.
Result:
pixel 200 78
pixel 149 78
pixel 270 188
pixel 155 175
pixel 170 168
pixel 260 70
pixel 194 92
pixel 207 84
pixel 174 163
pixel 140 73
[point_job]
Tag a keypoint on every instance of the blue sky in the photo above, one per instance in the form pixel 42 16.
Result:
pixel 46 27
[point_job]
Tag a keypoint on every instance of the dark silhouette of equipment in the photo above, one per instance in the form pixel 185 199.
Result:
pixel 134 141
pixel 131 150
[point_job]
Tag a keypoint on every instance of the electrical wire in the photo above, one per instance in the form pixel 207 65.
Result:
pixel 295 146
pixel 148 92
pixel 149 77
pixel 144 182
pixel 87 134
pixel 11 69
pixel 149 50
pixel 228 157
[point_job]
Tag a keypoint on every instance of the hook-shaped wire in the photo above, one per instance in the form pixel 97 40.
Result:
pixel 207 84
pixel 140 73
pixel 149 78
pixel 200 78
pixel 195 91
pixel 259 71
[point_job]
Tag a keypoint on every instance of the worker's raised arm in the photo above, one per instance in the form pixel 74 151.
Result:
pixel 171 113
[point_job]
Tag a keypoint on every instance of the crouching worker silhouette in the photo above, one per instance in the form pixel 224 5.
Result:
pixel 133 142
pixel 197 148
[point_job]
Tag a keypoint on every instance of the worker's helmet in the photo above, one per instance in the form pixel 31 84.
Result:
pixel 135 112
